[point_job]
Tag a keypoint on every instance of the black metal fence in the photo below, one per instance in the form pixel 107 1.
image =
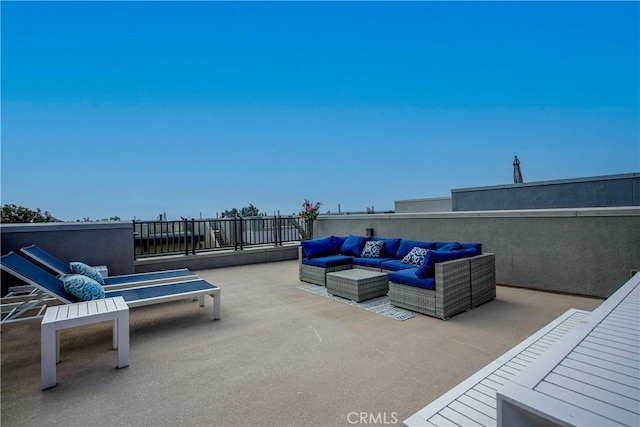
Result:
pixel 190 236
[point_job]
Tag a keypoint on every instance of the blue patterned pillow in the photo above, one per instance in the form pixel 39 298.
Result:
pixel 372 249
pixel 86 270
pixel 82 287
pixel 415 256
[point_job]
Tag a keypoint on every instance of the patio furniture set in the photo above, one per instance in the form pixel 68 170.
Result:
pixel 62 298
pixel 439 279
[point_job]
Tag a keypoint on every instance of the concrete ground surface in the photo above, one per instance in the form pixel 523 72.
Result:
pixel 279 357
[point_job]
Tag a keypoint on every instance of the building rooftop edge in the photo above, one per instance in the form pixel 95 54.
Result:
pixel 551 182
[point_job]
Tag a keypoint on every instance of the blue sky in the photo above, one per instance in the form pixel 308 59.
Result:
pixel 132 109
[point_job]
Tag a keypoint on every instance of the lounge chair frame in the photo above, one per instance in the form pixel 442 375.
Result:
pixel 60 267
pixel 49 286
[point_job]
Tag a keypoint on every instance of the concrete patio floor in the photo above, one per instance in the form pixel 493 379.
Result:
pixel 279 357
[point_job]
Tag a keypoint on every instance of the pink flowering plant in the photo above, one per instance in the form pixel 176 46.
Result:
pixel 309 214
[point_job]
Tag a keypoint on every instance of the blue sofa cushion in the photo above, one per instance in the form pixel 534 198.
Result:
pixel 372 249
pixel 406 246
pixel 317 247
pixel 408 277
pixel 454 246
pixel 476 246
pixel 442 256
pixel 415 256
pixel 370 262
pixel 336 243
pixel 328 261
pixel 426 269
pixel 390 247
pixel 82 287
pixel 353 245
pixel 395 265
pixel 471 251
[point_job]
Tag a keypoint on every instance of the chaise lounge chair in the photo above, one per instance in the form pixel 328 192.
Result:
pixel 61 267
pixel 134 296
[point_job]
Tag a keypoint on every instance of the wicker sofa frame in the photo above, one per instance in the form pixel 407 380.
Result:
pixel 461 285
pixel 313 274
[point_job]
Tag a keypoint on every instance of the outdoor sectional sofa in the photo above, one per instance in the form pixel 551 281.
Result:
pixel 439 279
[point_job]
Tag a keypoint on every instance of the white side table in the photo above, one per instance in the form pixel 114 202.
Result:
pixel 68 316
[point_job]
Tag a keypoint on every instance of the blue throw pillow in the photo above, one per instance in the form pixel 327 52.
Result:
pixel 82 287
pixel 426 269
pixel 390 247
pixel 336 243
pixel 353 245
pixel 372 249
pixel 317 247
pixel 86 270
pixel 415 257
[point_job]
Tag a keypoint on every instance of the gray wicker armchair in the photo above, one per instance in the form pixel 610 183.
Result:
pixel 461 285
pixel 313 274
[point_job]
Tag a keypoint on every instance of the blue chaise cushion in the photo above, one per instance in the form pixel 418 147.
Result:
pixel 408 277
pixel 353 245
pixel 406 246
pixel 372 249
pixel 426 269
pixel 317 247
pixel 86 270
pixel 82 287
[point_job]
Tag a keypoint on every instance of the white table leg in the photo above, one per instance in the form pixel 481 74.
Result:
pixel 122 336
pixel 217 313
pixel 115 334
pixel 48 353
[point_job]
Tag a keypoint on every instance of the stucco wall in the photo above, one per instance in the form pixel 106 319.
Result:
pixel 603 191
pixel 437 204
pixel 215 259
pixel 580 251
pixel 94 243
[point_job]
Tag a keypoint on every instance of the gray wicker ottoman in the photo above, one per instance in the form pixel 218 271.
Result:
pixel 357 284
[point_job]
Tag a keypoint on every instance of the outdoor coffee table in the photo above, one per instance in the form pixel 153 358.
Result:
pixel 357 284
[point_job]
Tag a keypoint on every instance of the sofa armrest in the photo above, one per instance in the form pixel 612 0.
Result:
pixel 453 287
pixel 483 279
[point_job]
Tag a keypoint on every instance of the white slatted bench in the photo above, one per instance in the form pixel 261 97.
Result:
pixel 473 402
pixel 591 377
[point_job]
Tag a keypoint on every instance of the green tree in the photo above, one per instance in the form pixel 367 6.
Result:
pixel 12 214
pixel 250 211
pixel 244 212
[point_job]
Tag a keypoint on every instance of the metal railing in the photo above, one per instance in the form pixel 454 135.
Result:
pixel 190 236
